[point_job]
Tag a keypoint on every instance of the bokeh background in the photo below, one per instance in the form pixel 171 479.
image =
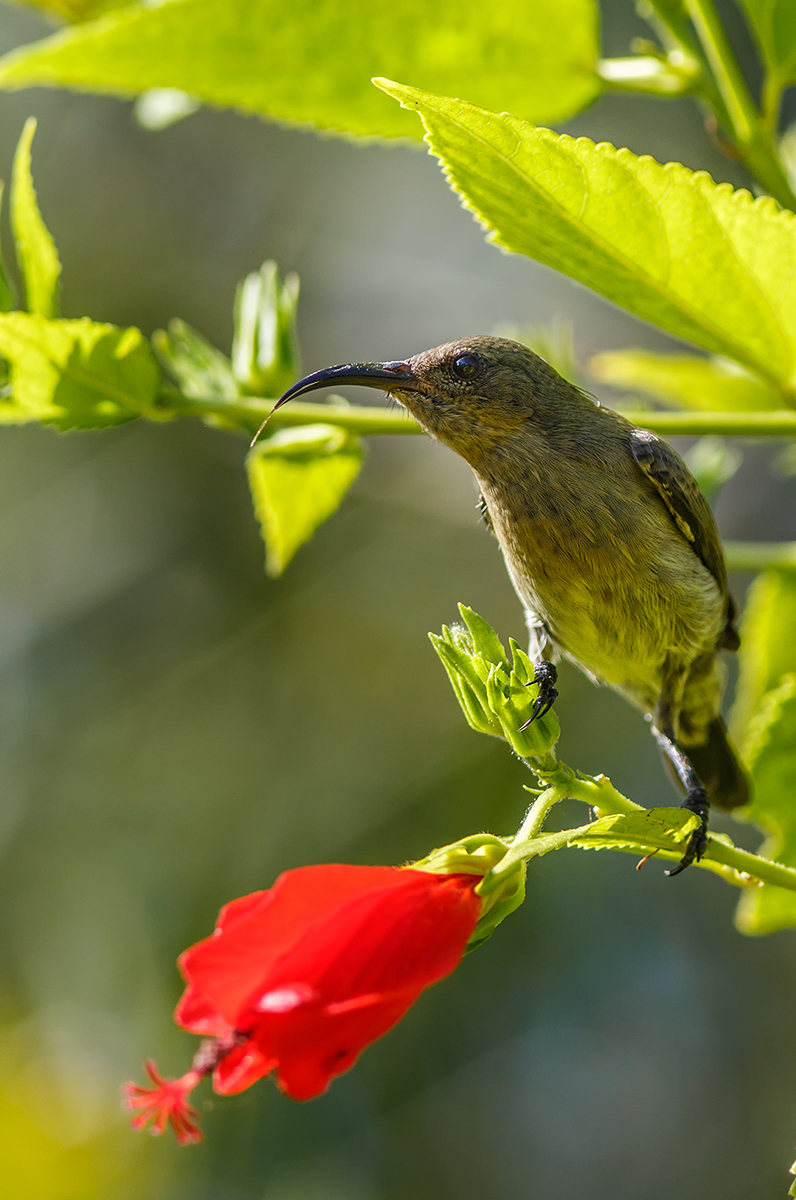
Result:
pixel 176 729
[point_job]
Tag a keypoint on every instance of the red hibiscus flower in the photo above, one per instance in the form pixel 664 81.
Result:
pixel 300 978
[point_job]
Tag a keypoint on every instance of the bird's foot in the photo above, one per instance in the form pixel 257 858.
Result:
pixel 696 802
pixel 546 676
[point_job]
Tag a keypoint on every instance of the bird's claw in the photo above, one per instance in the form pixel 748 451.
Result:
pixel 696 802
pixel 546 676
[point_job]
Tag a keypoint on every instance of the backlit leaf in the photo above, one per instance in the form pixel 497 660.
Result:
pixel 200 370
pixel 36 252
pixel 310 61
pixel 703 261
pixel 75 374
pixel 771 754
pixel 768 647
pixel 686 380
pixel 298 478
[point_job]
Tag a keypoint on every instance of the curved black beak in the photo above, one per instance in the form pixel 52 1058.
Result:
pixel 386 376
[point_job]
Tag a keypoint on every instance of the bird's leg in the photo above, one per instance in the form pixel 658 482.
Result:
pixel 545 675
pixel 696 798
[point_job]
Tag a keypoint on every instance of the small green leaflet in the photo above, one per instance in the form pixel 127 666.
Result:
pixel 310 61
pixel 768 647
pixel 771 758
pixel 75 374
pixel 703 261
pixel 686 380
pixel 200 370
pixel 36 252
pixel 298 478
pixel 763 724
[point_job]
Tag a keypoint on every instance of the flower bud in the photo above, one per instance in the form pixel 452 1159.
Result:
pixel 265 347
pixel 496 698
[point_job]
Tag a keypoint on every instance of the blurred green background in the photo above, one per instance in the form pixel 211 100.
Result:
pixel 177 729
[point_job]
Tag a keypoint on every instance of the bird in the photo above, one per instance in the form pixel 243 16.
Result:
pixel 608 541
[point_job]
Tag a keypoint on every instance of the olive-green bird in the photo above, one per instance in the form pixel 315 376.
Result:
pixel 609 542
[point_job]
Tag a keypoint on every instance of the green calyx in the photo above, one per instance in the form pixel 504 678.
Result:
pixel 478 855
pixel 496 696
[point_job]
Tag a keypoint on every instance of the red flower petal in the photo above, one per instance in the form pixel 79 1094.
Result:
pixel 341 929
pixel 197 1015
pixel 229 966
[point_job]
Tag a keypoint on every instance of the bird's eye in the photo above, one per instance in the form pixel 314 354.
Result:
pixel 466 366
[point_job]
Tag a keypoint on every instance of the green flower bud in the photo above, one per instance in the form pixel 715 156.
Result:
pixel 496 698
pixel 265 348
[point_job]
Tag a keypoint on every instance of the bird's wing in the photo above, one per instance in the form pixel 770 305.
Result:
pixel 689 510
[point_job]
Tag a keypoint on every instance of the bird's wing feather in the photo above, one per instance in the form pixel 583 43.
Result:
pixel 688 509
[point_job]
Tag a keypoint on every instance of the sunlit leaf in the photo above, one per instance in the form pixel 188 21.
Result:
pixel 75 374
pixel 298 478
pixel 36 252
pixel 310 61
pixel 686 380
pixel 771 754
pixel 696 258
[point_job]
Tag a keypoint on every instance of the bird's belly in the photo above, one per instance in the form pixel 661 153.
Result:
pixel 620 621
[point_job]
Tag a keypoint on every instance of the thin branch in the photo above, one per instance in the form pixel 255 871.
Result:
pixel 752 133
pixel 247 412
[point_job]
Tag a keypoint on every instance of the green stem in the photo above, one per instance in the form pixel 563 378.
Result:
pixel 729 80
pixel 733 424
pixel 760 556
pixel 248 412
pixel 538 812
pixel 735 865
pixel 751 132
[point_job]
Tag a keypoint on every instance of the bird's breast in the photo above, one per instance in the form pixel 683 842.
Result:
pixel 615 584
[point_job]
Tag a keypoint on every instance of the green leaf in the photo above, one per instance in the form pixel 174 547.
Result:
pixel 696 258
pixel 650 829
pixel 298 478
pixel 768 647
pixel 200 370
pixel 771 754
pixel 75 374
pixel 36 253
pixel 687 381
pixel 7 292
pixel 639 832
pixel 310 61
pixel 774 25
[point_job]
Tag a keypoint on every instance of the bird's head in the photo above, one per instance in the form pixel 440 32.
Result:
pixel 474 394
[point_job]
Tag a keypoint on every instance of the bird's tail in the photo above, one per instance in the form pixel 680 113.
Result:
pixel 716 764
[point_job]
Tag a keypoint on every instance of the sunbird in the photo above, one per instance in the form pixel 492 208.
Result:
pixel 610 545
